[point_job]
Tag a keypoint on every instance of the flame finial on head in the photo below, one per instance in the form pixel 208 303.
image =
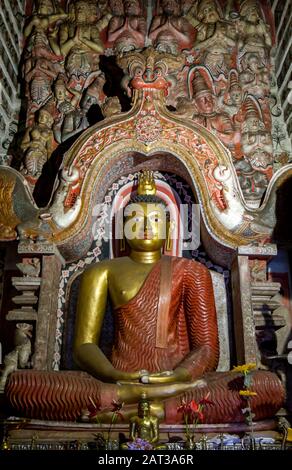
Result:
pixel 146 183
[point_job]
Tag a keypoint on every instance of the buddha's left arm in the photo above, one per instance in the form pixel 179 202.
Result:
pixel 201 318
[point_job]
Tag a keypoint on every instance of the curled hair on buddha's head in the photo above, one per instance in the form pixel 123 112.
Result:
pixel 146 190
pixel 148 198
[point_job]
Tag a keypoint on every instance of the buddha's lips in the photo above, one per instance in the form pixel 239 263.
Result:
pixel 148 236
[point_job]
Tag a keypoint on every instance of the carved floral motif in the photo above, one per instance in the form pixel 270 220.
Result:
pixel 148 129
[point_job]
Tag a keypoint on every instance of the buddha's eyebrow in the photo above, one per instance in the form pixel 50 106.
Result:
pixel 134 212
pixel 156 212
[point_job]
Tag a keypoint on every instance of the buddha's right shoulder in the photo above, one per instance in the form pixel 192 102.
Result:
pixel 102 267
pixel 96 269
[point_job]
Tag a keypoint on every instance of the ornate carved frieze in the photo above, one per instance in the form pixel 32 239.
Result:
pixel 223 82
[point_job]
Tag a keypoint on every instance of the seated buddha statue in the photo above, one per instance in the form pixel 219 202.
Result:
pixel 165 344
pixel 144 426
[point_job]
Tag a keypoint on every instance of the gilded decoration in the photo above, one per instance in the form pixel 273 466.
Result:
pixel 8 218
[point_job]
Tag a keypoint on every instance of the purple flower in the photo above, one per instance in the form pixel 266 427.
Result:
pixel 139 444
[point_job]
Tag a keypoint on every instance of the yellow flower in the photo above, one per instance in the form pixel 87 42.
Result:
pixel 245 368
pixel 247 393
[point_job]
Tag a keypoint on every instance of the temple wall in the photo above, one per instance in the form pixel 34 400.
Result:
pixel 11 25
pixel 282 10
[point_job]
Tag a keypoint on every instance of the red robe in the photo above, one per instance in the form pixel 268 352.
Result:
pixel 192 335
pixel 191 342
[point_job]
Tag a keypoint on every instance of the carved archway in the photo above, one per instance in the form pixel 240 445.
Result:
pixel 149 129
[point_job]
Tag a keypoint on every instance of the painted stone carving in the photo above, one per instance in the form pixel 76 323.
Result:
pixel 151 70
pixel 256 140
pixel 61 215
pixel 223 48
pixel 233 43
pixel 111 106
pixel 20 356
pixel 37 143
pixel 255 33
pixel 41 67
pixel 64 107
pixel 127 29
pixel 45 18
pixel 170 31
pixel 207 113
pixel 80 41
pixel 214 32
pixel 254 76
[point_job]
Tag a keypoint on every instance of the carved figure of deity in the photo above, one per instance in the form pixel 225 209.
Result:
pixel 111 106
pixel 127 28
pixel 64 106
pixel 254 77
pixel 76 120
pixel 252 182
pixel 37 143
pixel 213 31
pixel 207 112
pixel 80 41
pixel 170 31
pixel 256 140
pixel 255 34
pixel 233 98
pixel 144 426
pixel 41 64
pixel 45 17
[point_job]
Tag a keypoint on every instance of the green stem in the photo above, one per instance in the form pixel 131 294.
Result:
pixel 114 416
pixel 187 425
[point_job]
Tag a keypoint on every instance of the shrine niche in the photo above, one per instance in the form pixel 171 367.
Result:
pixel 190 122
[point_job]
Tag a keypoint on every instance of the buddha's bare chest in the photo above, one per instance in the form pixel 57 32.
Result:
pixel 123 286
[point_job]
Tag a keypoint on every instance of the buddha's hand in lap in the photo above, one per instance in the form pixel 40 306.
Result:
pixel 120 376
pixel 168 376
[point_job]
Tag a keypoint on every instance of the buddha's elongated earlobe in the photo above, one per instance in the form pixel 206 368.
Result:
pixel 168 242
pixel 122 244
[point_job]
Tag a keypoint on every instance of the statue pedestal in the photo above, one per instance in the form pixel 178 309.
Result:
pixel 52 434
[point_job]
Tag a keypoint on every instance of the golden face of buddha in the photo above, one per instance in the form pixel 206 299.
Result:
pixel 143 409
pixel 145 226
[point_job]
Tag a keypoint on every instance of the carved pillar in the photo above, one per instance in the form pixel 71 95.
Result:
pixel 255 302
pixel 46 324
pixel 245 338
pixel 47 305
